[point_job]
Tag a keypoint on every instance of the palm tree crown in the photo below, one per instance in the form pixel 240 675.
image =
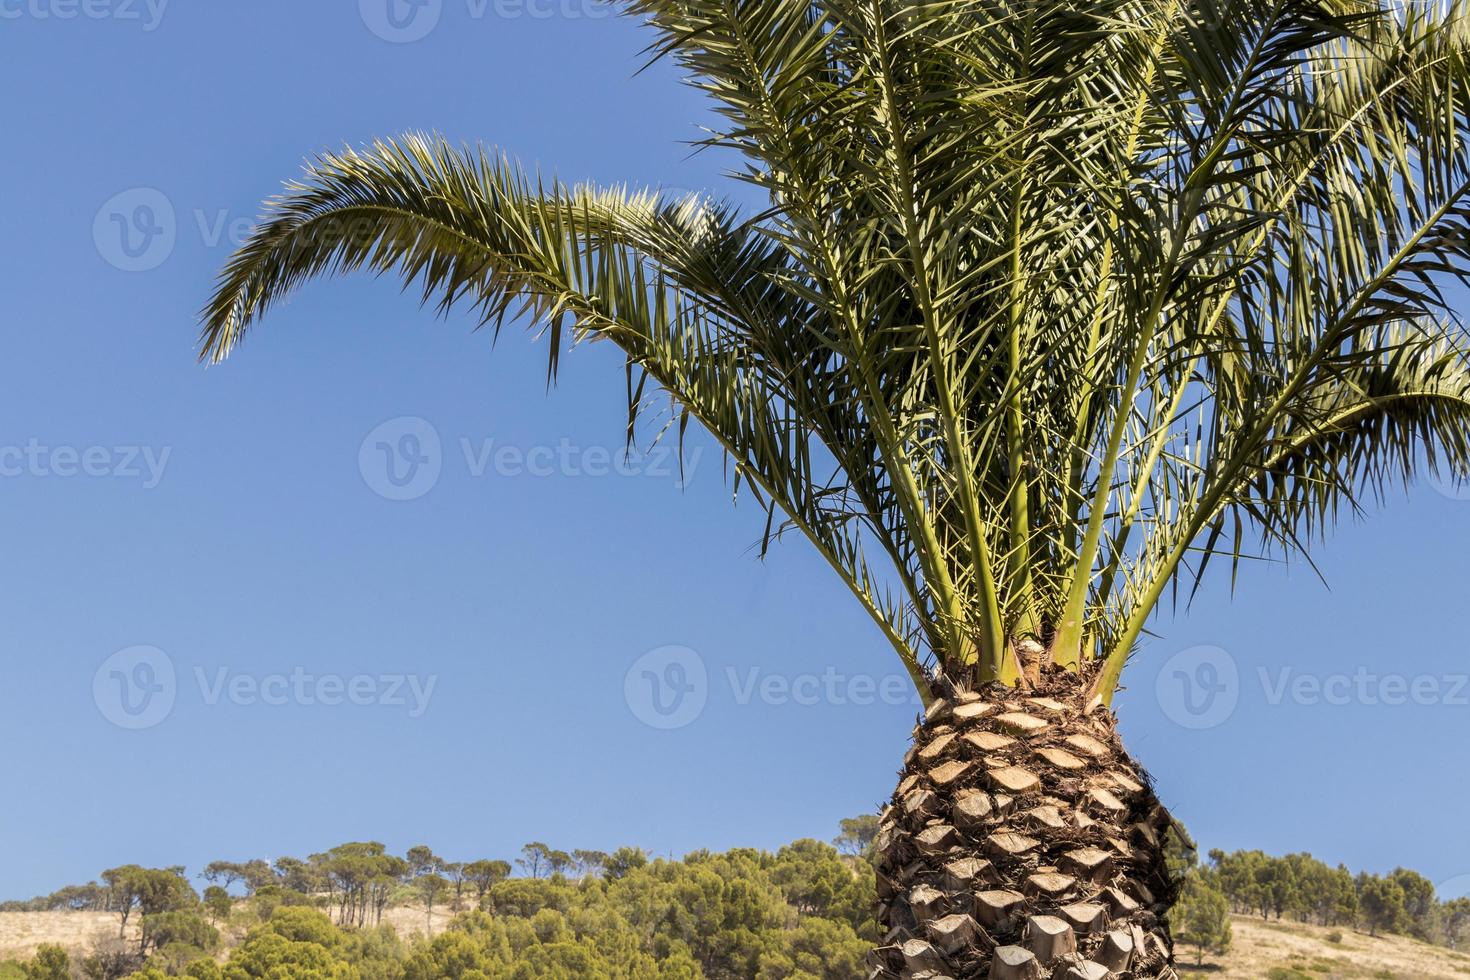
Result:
pixel 1052 303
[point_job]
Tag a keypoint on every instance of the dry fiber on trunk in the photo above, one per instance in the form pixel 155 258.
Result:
pixel 1023 843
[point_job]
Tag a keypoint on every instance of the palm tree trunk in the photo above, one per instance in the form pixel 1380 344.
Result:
pixel 1023 843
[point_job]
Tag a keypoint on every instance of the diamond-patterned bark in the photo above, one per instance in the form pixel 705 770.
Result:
pixel 1022 843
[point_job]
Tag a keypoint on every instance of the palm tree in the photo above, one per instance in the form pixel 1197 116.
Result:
pixel 1053 306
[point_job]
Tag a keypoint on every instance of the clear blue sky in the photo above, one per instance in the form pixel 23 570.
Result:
pixel 522 589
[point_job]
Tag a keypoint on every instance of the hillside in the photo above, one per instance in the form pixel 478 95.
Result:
pixel 1292 951
pixel 1271 950
pixel 81 932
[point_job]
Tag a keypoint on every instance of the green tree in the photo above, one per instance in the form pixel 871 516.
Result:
pixel 147 890
pixel 254 875
pixel 624 860
pixel 303 925
pixel 817 883
pixel 178 928
pixel 1276 878
pixel 422 860
pixel 123 885
pixel 454 872
pixel 1344 897
pixel 1420 905
pixel 110 964
pixel 524 897
pixel 1382 903
pixel 257 874
pixel 217 903
pixel 296 944
pixel 539 860
pixel 482 875
pixel 1202 919
pixel 272 957
pixel 49 963
pixel 559 862
pixel 817 949
pixel 1049 312
pixel 360 877
pixel 298 875
pixel 857 834
pixel 1456 922
pixel 222 873
pixel 452 955
pixel 432 888
pixel 589 863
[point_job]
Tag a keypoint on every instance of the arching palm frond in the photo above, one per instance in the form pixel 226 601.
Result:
pixel 1050 305
pixel 703 321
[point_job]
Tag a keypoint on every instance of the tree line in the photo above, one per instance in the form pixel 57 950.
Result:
pixel 1301 888
pixel 803 913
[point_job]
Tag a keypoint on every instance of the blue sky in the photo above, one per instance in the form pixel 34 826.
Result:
pixel 469 667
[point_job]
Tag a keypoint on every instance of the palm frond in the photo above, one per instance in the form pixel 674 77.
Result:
pixel 1050 305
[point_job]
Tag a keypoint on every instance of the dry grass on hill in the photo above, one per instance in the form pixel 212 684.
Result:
pixel 1262 950
pixel 79 933
pixel 1291 951
pixel 22 932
